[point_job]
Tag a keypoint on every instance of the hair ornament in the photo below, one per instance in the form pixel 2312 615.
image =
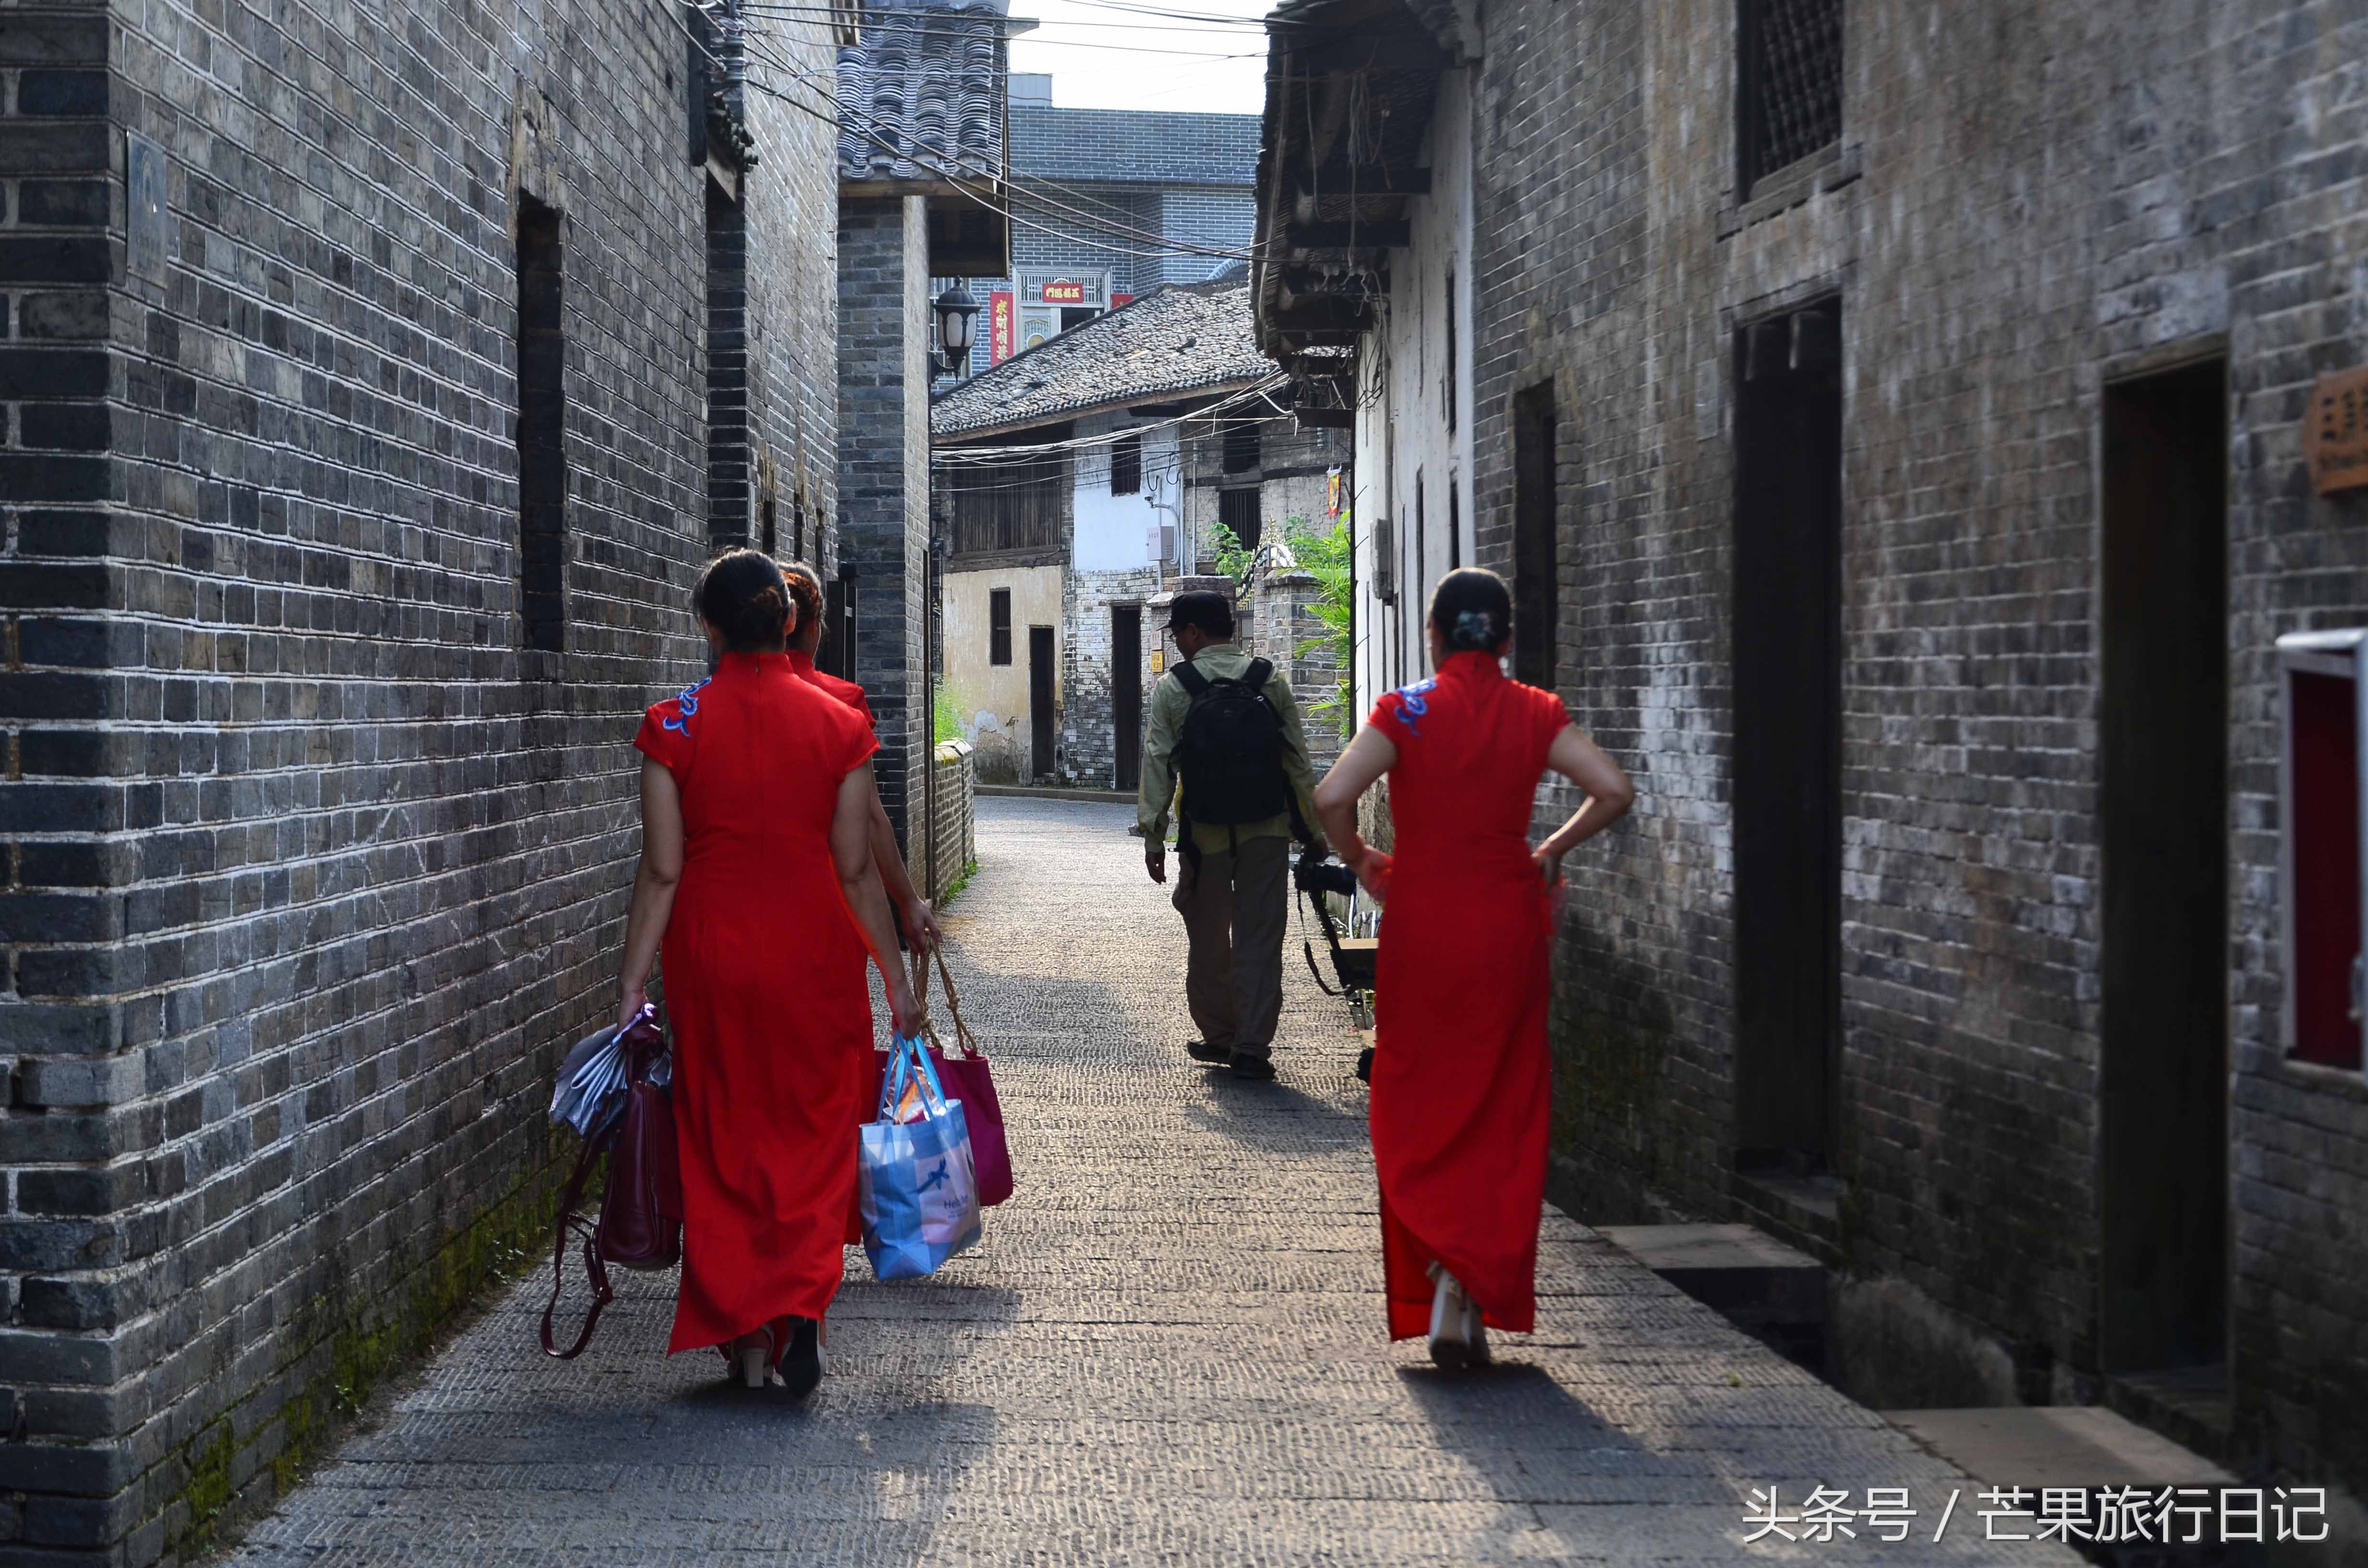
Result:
pixel 1474 629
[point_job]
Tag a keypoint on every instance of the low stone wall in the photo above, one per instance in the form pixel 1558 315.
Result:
pixel 953 825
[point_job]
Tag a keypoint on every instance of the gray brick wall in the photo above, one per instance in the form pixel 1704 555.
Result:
pixel 2042 203
pixel 883 473
pixel 314 869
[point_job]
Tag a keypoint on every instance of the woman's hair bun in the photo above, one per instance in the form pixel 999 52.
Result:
pixel 741 595
pixel 1472 610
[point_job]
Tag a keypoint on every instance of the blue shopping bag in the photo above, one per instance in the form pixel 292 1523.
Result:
pixel 919 1188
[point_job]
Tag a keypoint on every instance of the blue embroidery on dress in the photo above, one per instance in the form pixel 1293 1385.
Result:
pixel 687 700
pixel 1411 706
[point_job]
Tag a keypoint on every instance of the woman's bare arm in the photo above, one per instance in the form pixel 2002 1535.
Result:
pixel 1609 795
pixel 654 884
pixel 1367 757
pixel 859 879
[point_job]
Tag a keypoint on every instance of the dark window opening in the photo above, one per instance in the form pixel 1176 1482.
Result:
pixel 771 531
pixel 1536 547
pixel 1787 769
pixel 1238 511
pixel 1126 466
pixel 1448 388
pixel 1454 524
pixel 1241 446
pixel 2162 840
pixel 542 429
pixel 1789 91
pixel 999 626
pixel 1074 317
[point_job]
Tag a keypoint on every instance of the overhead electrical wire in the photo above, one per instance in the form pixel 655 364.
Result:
pixel 1043 203
pixel 972 455
pixel 868 126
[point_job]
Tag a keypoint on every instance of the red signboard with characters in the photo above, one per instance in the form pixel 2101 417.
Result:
pixel 1118 300
pixel 1063 291
pixel 1001 328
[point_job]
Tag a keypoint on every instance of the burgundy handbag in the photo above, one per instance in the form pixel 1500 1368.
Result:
pixel 641 1214
pixel 967 1078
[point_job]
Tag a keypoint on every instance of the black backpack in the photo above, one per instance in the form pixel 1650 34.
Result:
pixel 1230 749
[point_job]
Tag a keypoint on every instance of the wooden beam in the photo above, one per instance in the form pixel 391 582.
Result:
pixel 1394 234
pixel 1365 179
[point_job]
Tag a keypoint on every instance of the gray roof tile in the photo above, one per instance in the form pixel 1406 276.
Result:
pixel 1185 338
pixel 922 94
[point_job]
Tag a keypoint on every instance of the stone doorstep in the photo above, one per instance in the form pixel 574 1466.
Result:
pixel 2066 1446
pixel 1745 1274
pixel 1055 792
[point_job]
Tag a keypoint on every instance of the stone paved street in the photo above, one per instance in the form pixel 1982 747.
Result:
pixel 1168 1349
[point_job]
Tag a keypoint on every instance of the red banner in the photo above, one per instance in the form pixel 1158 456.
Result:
pixel 1118 300
pixel 1000 326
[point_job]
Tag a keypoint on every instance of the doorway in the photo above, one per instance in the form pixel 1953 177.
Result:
pixel 1788 518
pixel 1126 693
pixel 1040 701
pixel 2163 842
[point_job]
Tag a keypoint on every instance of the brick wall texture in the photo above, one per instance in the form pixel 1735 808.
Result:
pixel 2050 193
pixel 313 867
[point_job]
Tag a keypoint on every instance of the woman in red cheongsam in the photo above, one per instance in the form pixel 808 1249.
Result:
pixel 1459 1079
pixel 757 877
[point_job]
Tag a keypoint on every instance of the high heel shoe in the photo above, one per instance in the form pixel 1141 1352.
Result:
pixel 1450 1351
pixel 802 1364
pixel 753 1354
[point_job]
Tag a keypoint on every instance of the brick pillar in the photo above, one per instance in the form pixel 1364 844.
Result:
pixel 883 477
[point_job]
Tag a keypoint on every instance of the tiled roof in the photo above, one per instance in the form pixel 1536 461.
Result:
pixel 1191 337
pixel 927 81
pixel 1127 146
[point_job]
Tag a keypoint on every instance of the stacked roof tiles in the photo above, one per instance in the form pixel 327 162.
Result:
pixel 921 97
pixel 1190 338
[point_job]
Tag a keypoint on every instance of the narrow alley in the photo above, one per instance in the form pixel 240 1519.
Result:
pixel 1167 1349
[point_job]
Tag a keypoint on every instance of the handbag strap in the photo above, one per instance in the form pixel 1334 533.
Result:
pixel 595 1270
pixel 963 1035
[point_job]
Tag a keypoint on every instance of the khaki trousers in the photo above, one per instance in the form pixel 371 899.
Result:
pixel 1235 907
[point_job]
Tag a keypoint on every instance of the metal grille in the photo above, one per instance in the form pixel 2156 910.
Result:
pixel 1791 81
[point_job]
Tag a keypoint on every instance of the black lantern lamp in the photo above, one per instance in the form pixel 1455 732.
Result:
pixel 957 320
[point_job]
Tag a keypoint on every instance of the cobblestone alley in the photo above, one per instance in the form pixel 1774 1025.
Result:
pixel 1168 1347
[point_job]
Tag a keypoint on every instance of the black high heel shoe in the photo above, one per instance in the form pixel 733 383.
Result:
pixel 802 1364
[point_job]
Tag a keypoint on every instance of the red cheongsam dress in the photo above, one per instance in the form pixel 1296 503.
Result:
pixel 1460 1085
pixel 847 691
pixel 765 993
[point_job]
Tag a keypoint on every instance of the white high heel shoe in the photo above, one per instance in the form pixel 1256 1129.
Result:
pixel 1451 1314
pixel 756 1362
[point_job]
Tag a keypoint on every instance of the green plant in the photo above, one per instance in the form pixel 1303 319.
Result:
pixel 1234 558
pixel 1329 557
pixel 946 704
pixel 970 868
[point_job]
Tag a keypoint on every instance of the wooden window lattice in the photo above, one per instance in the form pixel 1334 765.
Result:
pixel 1792 81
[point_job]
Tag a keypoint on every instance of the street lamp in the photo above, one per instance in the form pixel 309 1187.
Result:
pixel 957 318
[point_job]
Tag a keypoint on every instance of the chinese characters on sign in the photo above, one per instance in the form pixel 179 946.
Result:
pixel 2169 1515
pixel 1001 328
pixel 2335 431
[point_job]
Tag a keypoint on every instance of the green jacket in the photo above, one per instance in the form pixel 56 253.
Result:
pixel 1169 703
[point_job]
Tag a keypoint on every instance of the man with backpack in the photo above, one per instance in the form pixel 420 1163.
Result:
pixel 1227 723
